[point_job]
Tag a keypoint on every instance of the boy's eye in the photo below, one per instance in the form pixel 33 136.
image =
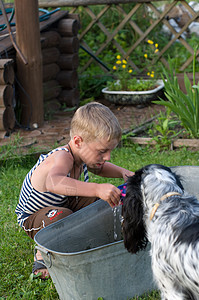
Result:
pixel 102 151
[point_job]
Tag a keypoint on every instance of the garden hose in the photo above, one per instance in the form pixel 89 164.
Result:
pixel 8 10
pixel 8 25
pixel 96 58
pixel 46 15
pixel 42 18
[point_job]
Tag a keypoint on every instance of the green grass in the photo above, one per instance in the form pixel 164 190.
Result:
pixel 16 251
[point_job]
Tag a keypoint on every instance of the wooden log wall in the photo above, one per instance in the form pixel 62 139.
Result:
pixel 7 114
pixel 60 47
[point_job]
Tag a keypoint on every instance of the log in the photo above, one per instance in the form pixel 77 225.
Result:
pixel 68 61
pixel 50 71
pixel 69 45
pixel 68 27
pixel 69 97
pixel 7 71
pixel 7 118
pixel 50 39
pixel 191 143
pixel 2 134
pixel 50 55
pixel 51 90
pixel 76 17
pixel 6 95
pixel 68 79
pixel 51 105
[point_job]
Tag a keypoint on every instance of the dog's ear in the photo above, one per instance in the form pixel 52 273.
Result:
pixel 134 232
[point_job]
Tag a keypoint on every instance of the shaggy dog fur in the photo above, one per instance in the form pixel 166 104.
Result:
pixel 156 209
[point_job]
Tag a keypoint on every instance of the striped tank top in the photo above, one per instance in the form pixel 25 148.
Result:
pixel 31 200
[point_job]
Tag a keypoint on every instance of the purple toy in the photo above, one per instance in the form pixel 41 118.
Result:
pixel 122 188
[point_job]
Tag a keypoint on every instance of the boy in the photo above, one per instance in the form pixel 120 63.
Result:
pixel 52 191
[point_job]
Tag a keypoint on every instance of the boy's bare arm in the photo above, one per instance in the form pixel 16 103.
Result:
pixel 112 171
pixel 58 183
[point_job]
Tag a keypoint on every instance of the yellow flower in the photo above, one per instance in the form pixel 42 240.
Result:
pixel 123 66
pixel 156 45
pixel 114 68
pixel 152 75
pixel 156 50
pixel 145 55
pixel 150 42
pixel 148 74
pixel 130 71
pixel 152 72
pixel 118 62
pixel 124 61
pixel 118 57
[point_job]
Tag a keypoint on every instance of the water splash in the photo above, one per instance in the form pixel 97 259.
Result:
pixel 117 218
pixel 117 214
pixel 115 222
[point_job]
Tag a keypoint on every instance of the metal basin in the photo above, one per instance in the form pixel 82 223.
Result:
pixel 84 260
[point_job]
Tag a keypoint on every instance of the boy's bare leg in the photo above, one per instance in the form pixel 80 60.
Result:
pixel 44 271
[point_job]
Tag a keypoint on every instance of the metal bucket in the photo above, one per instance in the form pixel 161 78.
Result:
pixel 84 260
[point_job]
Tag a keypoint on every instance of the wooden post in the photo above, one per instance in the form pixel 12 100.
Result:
pixel 29 75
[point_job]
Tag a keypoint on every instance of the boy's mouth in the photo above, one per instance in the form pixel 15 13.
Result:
pixel 99 165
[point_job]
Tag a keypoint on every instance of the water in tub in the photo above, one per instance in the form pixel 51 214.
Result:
pixel 117 211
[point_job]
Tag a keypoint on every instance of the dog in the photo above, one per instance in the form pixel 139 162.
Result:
pixel 157 209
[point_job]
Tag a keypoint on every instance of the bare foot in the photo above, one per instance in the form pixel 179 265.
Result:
pixel 44 272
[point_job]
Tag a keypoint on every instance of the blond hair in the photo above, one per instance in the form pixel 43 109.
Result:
pixel 95 121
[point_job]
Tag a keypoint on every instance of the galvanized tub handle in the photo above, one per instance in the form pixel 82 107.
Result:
pixel 45 252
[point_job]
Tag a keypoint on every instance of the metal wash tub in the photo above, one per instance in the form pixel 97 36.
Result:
pixel 84 260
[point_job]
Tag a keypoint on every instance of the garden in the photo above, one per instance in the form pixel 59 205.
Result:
pixel 16 251
pixel 180 119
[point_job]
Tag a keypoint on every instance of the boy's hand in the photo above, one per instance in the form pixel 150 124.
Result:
pixel 127 174
pixel 109 193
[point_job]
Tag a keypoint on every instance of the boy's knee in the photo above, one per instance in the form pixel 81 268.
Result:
pixel 56 214
pixel 44 217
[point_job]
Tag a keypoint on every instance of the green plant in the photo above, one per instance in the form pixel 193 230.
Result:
pixel 185 106
pixel 12 148
pixel 123 72
pixel 163 130
pixel 91 85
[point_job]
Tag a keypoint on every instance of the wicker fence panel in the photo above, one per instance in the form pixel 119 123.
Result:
pixel 157 18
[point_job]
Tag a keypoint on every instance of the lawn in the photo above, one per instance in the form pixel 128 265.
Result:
pixel 16 251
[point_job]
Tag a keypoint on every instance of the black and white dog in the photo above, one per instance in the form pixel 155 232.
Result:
pixel 156 209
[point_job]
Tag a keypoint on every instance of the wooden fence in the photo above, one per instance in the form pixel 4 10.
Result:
pixel 130 14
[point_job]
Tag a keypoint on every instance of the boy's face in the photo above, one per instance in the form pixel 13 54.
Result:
pixel 95 154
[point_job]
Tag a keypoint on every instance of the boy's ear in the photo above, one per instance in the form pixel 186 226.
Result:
pixel 77 141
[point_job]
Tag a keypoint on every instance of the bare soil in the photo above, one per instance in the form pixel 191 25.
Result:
pixel 55 132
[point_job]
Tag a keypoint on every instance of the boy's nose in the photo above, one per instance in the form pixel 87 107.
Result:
pixel 107 156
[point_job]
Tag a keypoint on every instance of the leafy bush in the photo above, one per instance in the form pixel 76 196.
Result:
pixel 163 130
pixel 185 106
